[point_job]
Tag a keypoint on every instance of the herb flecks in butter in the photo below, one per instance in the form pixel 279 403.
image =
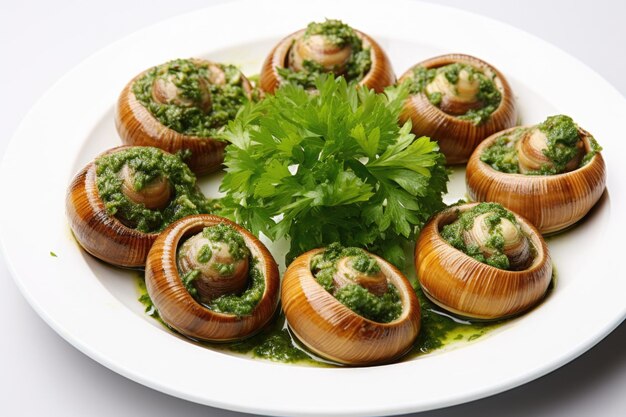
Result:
pixel 562 140
pixel 340 35
pixel 244 304
pixel 193 81
pixel 228 234
pixel 453 233
pixel 502 155
pixel 563 144
pixel 239 304
pixel 383 309
pixel 380 308
pixel 148 164
pixel 488 96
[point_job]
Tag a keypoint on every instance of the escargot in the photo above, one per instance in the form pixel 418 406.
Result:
pixel 551 173
pixel 327 47
pixel 118 203
pixel 457 100
pixel 482 261
pixel 210 279
pixel 180 106
pixel 350 306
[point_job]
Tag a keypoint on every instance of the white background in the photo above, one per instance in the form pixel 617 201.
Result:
pixel 41 374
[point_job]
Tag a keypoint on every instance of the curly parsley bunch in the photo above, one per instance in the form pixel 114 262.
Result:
pixel 332 167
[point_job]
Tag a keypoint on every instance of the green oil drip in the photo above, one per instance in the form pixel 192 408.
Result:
pixel 439 329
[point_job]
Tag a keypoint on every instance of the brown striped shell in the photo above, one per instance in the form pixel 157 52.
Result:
pixel 99 233
pixel 550 202
pixel 380 75
pixel 180 310
pixel 469 288
pixel 457 138
pixel 137 126
pixel 333 331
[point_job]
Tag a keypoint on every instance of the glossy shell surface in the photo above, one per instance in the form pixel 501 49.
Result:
pixel 333 331
pixel 469 288
pixel 457 138
pixel 99 233
pixel 181 311
pixel 550 202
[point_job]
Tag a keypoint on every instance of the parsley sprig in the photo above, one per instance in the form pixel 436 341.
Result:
pixel 331 167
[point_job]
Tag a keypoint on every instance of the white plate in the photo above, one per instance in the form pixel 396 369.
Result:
pixel 94 306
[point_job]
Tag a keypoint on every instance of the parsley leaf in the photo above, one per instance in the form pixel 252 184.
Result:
pixel 334 166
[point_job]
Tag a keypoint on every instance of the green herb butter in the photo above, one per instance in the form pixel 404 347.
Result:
pixel 206 96
pixel 148 164
pixel 340 35
pixel 453 233
pixel 381 308
pixel 487 95
pixel 239 304
pixel 563 144
pixel 244 303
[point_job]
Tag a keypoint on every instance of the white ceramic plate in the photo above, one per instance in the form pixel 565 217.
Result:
pixel 94 306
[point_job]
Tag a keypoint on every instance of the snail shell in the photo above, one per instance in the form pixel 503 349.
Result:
pixel 467 287
pixel 180 310
pixel 550 202
pixel 334 331
pixel 457 138
pixel 100 234
pixel 137 126
pixel 380 75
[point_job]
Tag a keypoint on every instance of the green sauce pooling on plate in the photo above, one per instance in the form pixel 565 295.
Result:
pixel 275 343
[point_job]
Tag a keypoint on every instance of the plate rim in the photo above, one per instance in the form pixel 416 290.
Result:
pixel 90 351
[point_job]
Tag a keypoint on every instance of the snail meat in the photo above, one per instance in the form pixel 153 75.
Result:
pixel 490 234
